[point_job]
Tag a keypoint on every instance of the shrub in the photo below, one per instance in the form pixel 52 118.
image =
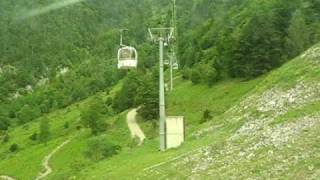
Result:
pixel 195 76
pixel 212 76
pixel 78 127
pixel 207 73
pixel 99 148
pixel 28 113
pixel 109 101
pixel 5 138
pixel 206 116
pixel 78 165
pixel 4 123
pixel 34 137
pixel 66 125
pixel 44 130
pixel 186 73
pixel 25 127
pixel 14 148
pixel 134 142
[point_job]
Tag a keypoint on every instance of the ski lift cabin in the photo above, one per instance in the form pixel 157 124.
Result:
pixel 175 66
pixel 127 58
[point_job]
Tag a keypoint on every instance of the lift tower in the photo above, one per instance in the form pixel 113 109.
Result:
pixel 161 36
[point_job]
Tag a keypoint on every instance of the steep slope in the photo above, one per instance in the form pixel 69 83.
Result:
pixel 32 153
pixel 272 133
pixel 268 127
pixel 188 100
pixel 67 161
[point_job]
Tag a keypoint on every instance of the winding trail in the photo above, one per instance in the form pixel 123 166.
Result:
pixel 46 160
pixel 134 127
pixel 6 178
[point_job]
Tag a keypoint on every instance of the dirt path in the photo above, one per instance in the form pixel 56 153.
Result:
pixel 6 178
pixel 46 160
pixel 134 127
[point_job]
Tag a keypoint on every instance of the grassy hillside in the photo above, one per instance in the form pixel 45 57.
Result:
pixel 263 128
pixel 68 161
pixel 31 153
pixel 272 133
pixel 180 102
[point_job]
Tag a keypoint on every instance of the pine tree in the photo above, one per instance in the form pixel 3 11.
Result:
pixel 92 116
pixel 44 130
pixel 298 35
pixel 148 97
pixel 258 48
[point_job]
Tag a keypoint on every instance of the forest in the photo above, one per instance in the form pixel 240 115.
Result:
pixel 55 59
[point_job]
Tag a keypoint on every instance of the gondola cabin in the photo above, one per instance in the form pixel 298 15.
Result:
pixel 175 66
pixel 127 58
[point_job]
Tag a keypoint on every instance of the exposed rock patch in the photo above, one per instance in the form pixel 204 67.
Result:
pixel 253 137
pixel 278 101
pixel 257 138
pixel 312 54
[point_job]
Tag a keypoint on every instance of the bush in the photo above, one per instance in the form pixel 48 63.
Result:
pixel 195 76
pixel 212 76
pixel 44 130
pixel 77 165
pixel 34 137
pixel 207 73
pixel 99 148
pixel 186 73
pixel 134 142
pixel 78 127
pixel 5 138
pixel 28 113
pixel 66 125
pixel 14 148
pixel 109 101
pixel 25 127
pixel 206 116
pixel 4 123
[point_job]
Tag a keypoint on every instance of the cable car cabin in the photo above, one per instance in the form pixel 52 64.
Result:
pixel 175 66
pixel 127 58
